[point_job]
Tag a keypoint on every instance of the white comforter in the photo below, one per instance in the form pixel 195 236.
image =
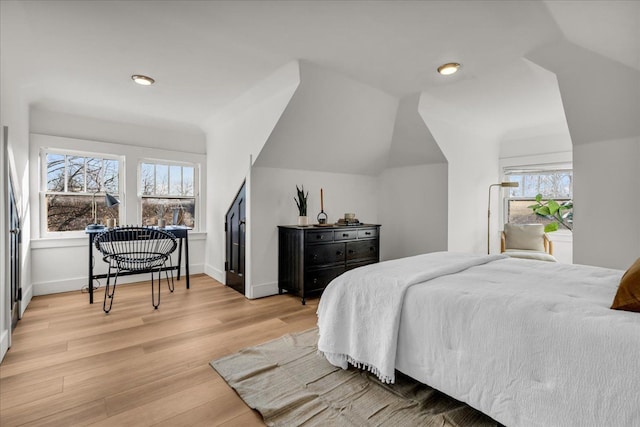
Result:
pixel 359 313
pixel 526 342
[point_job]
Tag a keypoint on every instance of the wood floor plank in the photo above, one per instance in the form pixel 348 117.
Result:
pixel 17 395
pixel 72 365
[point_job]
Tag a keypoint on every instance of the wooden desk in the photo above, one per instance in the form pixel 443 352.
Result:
pixel 181 233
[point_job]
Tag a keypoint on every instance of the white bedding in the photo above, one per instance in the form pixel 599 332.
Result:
pixel 359 313
pixel 526 342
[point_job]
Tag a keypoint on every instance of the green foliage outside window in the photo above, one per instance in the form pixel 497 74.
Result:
pixel 559 213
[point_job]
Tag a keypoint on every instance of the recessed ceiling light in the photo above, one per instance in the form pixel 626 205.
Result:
pixel 142 80
pixel 449 68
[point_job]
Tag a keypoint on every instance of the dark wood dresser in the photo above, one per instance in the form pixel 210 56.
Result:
pixel 310 257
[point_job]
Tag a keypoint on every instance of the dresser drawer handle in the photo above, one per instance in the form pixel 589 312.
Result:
pixel 319 236
pixel 345 235
pixel 315 281
pixel 315 256
pixel 367 233
pixel 351 251
pixel 339 253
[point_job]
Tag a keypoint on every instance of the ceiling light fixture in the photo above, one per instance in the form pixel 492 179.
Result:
pixel 142 80
pixel 448 68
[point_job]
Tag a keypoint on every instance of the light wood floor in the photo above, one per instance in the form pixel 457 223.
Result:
pixel 70 364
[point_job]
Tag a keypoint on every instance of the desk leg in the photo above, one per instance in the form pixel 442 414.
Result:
pixel 90 284
pixel 186 256
pixel 179 256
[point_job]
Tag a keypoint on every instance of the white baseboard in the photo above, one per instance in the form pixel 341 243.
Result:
pixel 77 283
pixel 215 273
pixel 4 343
pixel 26 299
pixel 264 290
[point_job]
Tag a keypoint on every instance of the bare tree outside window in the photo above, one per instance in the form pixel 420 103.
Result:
pixel 73 181
pixel 167 192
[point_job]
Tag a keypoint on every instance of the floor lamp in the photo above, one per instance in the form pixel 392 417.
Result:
pixel 502 184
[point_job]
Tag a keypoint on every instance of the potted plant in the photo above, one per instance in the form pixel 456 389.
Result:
pixel 301 202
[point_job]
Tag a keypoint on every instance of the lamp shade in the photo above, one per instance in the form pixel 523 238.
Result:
pixel 110 201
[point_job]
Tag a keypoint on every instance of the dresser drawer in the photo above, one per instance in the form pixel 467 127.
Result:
pixel 367 233
pixel 362 250
pixel 345 234
pixel 319 236
pixel 310 257
pixel 319 279
pixel 330 253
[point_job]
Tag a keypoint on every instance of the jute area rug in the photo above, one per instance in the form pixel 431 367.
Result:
pixel 291 385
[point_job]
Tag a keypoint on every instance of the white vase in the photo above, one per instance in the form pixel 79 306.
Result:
pixel 161 223
pixel 303 220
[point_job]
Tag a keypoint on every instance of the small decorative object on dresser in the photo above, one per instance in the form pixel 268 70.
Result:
pixel 301 202
pixel 310 258
pixel 322 216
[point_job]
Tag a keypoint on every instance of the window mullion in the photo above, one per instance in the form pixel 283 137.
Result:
pixel 103 175
pixel 182 181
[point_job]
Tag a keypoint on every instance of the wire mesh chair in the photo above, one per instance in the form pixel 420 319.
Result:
pixel 135 250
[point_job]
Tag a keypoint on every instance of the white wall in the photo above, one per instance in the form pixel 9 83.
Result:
pixel 14 113
pixel 5 289
pixel 188 139
pixel 234 137
pixel 536 145
pixel 403 200
pixel 48 253
pixel 472 155
pixel 272 204
pixel 412 207
pixel 607 203
pixel 601 99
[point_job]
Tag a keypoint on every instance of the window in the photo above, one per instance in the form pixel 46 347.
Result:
pixel 169 192
pixel 73 181
pixel 556 184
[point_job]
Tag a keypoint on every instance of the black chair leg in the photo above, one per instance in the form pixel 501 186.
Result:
pixel 153 297
pixel 108 294
pixel 170 284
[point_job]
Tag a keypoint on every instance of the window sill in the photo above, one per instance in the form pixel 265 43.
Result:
pixel 561 236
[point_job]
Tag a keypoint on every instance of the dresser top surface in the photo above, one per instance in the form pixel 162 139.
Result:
pixel 316 227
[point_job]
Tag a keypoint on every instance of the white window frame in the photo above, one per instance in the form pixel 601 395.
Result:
pixel 534 169
pixel 196 187
pixel 43 222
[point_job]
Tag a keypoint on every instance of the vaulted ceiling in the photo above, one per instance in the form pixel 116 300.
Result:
pixel 77 57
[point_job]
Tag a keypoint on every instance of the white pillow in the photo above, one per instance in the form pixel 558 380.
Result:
pixel 524 236
pixel 540 256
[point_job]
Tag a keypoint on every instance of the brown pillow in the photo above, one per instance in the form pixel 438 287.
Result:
pixel 628 295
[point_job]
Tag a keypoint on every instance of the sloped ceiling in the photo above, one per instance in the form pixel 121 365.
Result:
pixel 77 57
pixel 601 96
pixel 332 124
pixel 412 143
pixel 608 28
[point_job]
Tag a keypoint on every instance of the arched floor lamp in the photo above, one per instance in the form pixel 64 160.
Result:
pixel 502 184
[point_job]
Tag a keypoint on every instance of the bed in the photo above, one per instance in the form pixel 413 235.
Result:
pixel 526 342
